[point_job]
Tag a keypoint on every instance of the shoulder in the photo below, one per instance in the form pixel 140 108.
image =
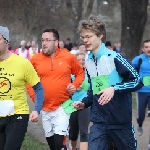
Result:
pixel 18 58
pixel 136 58
pixel 67 54
pixel 37 56
pixel 22 61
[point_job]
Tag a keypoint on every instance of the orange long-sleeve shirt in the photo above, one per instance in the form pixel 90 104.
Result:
pixel 55 75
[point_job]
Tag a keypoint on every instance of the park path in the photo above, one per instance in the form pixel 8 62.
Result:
pixel 36 130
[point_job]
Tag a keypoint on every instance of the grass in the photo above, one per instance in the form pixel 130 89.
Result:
pixel 30 143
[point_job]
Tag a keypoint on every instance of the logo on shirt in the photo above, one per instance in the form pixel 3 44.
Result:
pixel 19 117
pixel 5 85
pixel 60 63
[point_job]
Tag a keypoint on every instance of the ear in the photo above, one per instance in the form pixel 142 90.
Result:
pixel 101 36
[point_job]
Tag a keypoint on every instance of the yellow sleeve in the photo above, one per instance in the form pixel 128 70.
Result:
pixel 30 74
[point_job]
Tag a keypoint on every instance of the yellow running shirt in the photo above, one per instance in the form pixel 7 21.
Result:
pixel 15 72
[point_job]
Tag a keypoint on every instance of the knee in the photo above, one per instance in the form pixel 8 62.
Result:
pixel 73 137
pixel 83 137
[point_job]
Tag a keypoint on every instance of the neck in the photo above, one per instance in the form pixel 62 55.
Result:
pixel 52 55
pixel 5 55
pixel 95 52
pixel 22 49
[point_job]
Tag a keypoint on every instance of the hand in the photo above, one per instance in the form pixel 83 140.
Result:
pixel 107 95
pixel 34 116
pixel 78 105
pixel 71 88
pixel 80 87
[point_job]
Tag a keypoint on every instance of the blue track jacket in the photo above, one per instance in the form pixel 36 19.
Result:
pixel 123 77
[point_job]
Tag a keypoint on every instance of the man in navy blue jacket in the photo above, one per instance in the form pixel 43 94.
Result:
pixel 112 79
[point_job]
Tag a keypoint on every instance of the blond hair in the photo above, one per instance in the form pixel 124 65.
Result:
pixel 79 53
pixel 93 24
pixel 23 42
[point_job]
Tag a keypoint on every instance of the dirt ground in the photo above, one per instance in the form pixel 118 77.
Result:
pixel 37 131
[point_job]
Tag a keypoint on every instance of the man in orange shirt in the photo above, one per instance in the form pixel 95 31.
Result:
pixel 54 68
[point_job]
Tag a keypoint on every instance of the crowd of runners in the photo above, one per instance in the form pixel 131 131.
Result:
pixel 71 86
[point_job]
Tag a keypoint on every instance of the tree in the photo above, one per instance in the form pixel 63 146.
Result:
pixel 134 17
pixel 77 12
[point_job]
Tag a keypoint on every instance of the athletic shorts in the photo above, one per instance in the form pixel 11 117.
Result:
pixel 55 122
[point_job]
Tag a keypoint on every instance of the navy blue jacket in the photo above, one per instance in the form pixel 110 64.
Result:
pixel 123 77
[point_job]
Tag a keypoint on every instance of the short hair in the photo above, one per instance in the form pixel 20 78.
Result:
pixel 81 44
pixel 55 33
pixel 145 41
pixel 107 43
pixel 68 39
pixel 93 24
pixel 23 42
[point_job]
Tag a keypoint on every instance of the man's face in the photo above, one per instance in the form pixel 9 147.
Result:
pixel 23 45
pixel 146 48
pixel 82 48
pixel 61 44
pixel 49 43
pixel 3 45
pixel 33 44
pixel 91 40
pixel 81 60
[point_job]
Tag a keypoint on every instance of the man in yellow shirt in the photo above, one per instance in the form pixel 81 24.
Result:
pixel 15 73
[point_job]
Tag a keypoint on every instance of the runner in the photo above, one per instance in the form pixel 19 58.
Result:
pixel 79 120
pixel 142 63
pixel 14 109
pixel 22 51
pixel 33 49
pixel 113 80
pixel 54 68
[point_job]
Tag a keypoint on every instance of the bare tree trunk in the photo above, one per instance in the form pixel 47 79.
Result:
pixel 134 17
pixel 98 6
pixel 79 15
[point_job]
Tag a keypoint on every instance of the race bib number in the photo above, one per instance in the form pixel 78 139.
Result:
pixel 85 85
pixel 68 106
pixel 99 83
pixel 146 81
pixel 6 108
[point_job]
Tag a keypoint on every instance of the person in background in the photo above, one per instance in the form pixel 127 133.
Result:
pixel 117 47
pixel 15 72
pixel 74 49
pixel 10 49
pixel 108 45
pixel 142 64
pixel 68 44
pixel 61 46
pixel 28 45
pixel 33 49
pixel 112 80
pixel 22 51
pixel 83 49
pixel 79 120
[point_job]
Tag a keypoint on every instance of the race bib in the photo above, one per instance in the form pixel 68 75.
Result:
pixel 68 106
pixel 6 108
pixel 146 81
pixel 99 83
pixel 85 85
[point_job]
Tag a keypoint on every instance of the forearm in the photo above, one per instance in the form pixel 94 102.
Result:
pixel 131 79
pixel 88 101
pixel 39 94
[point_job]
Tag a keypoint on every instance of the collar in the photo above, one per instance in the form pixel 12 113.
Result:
pixel 101 51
